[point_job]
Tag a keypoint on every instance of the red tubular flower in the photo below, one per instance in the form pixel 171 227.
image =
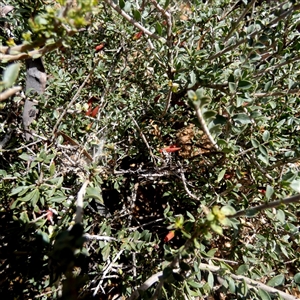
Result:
pixel 169 236
pixel 171 148
pixel 99 47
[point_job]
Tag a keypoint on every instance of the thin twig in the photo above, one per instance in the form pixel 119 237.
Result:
pixel 282 93
pixel 106 271
pixel 145 286
pixel 276 20
pixel 250 282
pixel 260 168
pixel 146 224
pixel 205 128
pixel 144 139
pixel 133 21
pixel 168 102
pixel 182 176
pixel 287 62
pixel 256 209
pixel 33 53
pixel 242 16
pixel 90 237
pixel 168 16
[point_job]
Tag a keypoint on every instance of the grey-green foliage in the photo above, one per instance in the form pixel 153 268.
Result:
pixel 236 62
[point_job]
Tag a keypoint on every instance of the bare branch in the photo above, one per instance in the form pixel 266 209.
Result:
pixel 275 21
pixel 252 283
pixel 25 55
pixel 256 209
pixel 275 94
pixel 108 268
pixel 90 237
pixel 205 128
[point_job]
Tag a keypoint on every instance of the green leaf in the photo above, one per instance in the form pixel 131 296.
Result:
pixel 204 100
pixel 263 150
pixel 137 15
pixel 211 252
pixel 121 4
pixel 263 294
pixel 158 28
pixel 193 78
pixel 221 175
pixel 191 217
pixel 228 210
pixel 255 143
pixel 192 95
pixel 11 74
pixel 52 169
pixel 268 85
pixel 24 217
pixel 280 215
pixel 19 189
pixel 210 280
pixel 252 212
pixel 105 252
pixel 269 192
pixel 295 185
pixel 44 236
pixel 57 198
pixel 29 196
pixel 297 278
pixel 207 115
pixel 197 245
pixel 244 85
pixel 242 119
pixel 25 157
pixel 231 284
pixel 216 228
pixel 239 101
pixel 263 158
pixel 266 136
pixel 194 284
pixel 276 280
pixel 242 270
pixel 35 197
pixel 244 288
pixel 232 87
pixel 94 192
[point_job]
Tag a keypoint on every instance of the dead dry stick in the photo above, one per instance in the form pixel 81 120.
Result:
pixel 108 268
